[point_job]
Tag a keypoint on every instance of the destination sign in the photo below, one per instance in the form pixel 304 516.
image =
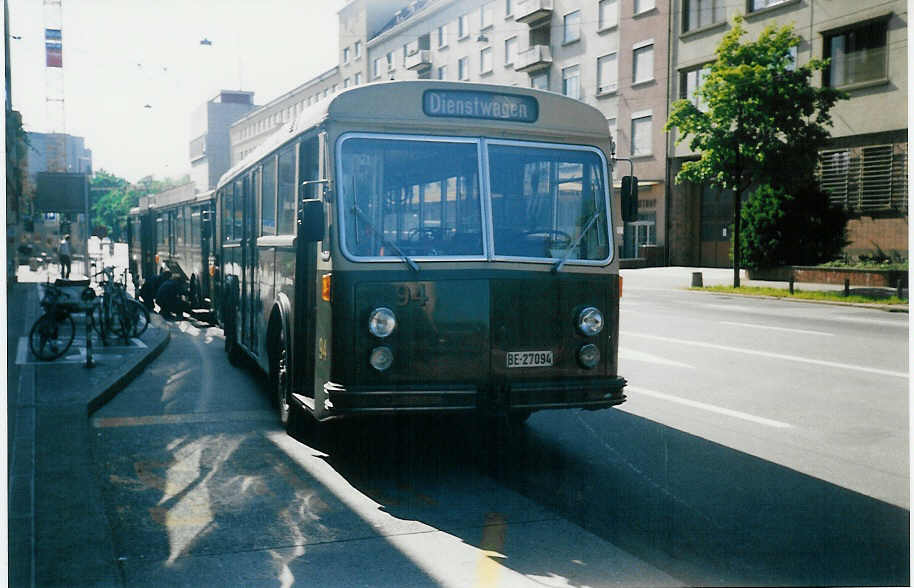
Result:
pixel 487 105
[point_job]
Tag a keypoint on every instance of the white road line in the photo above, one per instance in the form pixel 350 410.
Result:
pixel 757 326
pixel 627 354
pixel 710 408
pixel 833 364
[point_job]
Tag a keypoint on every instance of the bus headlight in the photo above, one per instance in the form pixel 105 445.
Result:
pixel 590 321
pixel 381 358
pixel 382 322
pixel 589 356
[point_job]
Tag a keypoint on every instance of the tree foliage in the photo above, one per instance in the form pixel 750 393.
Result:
pixel 112 197
pixel 761 120
pixel 800 227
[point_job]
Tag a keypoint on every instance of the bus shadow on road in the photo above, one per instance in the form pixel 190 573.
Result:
pixel 702 512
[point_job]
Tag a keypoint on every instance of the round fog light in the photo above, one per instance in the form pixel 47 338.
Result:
pixel 381 358
pixel 589 356
pixel 590 321
pixel 382 322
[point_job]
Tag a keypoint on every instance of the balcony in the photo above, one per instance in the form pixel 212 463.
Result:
pixel 534 59
pixel 420 59
pixel 531 11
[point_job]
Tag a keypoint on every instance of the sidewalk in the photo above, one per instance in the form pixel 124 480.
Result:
pixel 680 278
pixel 58 534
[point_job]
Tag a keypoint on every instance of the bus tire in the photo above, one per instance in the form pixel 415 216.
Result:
pixel 279 378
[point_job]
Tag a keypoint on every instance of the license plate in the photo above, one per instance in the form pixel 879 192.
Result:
pixel 522 359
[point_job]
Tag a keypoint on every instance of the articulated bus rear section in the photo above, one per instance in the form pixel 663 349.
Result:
pixel 453 249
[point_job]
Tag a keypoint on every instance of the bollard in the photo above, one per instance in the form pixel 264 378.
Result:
pixel 847 287
pixel 697 280
pixel 790 285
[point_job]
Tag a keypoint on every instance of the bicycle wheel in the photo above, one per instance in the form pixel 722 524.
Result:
pixel 121 319
pixel 139 317
pixel 51 335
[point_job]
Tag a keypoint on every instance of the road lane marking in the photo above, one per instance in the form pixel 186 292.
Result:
pixel 711 408
pixel 490 549
pixel 180 419
pixel 627 354
pixel 788 330
pixel 833 364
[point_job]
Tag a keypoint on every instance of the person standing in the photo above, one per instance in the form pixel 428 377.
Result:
pixel 64 252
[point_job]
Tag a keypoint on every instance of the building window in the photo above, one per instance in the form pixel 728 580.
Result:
pixel 358 49
pixel 857 55
pixel 442 36
pixel 509 9
pixel 442 72
pixel 376 71
pixel 358 78
pixel 607 73
pixel 609 14
pixel 463 28
pixel 485 60
pixel 690 81
pixel 613 131
pixel 510 51
pixel 390 61
pixel 345 85
pixel 762 4
pixel 463 68
pixel 868 178
pixel 540 81
pixel 572 27
pixel 643 6
pixel 345 55
pixel 641 133
pixel 700 13
pixel 571 82
pixel 487 16
pixel 643 62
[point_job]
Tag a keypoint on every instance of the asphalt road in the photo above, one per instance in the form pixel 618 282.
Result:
pixel 763 443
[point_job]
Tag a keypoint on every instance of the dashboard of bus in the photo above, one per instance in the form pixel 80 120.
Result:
pixel 432 197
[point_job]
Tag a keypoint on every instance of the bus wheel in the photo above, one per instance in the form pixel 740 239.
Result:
pixel 279 377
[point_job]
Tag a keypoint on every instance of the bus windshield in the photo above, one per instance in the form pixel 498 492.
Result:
pixel 409 197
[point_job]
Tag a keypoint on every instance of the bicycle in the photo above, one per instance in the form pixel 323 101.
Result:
pixel 121 314
pixel 52 333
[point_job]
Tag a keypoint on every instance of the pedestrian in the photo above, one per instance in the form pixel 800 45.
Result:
pixel 172 298
pixel 149 288
pixel 64 252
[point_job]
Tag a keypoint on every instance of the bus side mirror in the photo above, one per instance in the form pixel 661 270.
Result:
pixel 311 220
pixel 629 199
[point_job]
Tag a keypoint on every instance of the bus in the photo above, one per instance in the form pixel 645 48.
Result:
pixel 426 247
pixel 173 230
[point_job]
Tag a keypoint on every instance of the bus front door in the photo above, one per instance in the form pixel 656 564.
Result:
pixel 249 268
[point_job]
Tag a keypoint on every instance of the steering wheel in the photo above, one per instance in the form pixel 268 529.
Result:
pixel 562 242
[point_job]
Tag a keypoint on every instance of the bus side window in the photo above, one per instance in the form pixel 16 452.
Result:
pixel 268 202
pixel 285 203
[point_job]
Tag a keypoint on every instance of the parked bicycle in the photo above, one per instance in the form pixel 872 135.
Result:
pixel 53 332
pixel 121 314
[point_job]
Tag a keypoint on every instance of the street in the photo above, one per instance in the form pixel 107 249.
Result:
pixel 763 442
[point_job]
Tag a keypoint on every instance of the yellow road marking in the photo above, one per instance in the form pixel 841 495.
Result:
pixel 180 419
pixel 493 542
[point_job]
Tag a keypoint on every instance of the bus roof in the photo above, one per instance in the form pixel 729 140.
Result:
pixel 403 103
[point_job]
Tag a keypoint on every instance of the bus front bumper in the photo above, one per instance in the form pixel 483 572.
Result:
pixel 340 401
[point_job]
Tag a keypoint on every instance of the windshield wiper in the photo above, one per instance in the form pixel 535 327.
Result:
pixel 558 265
pixel 406 258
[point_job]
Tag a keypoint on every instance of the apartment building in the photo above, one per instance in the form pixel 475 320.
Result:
pixel 865 165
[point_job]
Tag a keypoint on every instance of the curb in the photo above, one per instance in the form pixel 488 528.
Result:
pixel 127 377
pixel 897 308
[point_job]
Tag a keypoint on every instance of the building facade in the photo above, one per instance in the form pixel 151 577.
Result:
pixel 865 164
pixel 631 59
pixel 210 148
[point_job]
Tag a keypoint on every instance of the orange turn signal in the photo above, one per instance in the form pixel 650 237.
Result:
pixel 325 287
pixel 620 285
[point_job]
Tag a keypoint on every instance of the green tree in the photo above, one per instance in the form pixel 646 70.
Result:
pixel 761 121
pixel 800 227
pixel 112 197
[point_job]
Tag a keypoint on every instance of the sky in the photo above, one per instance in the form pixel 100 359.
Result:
pixel 120 55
